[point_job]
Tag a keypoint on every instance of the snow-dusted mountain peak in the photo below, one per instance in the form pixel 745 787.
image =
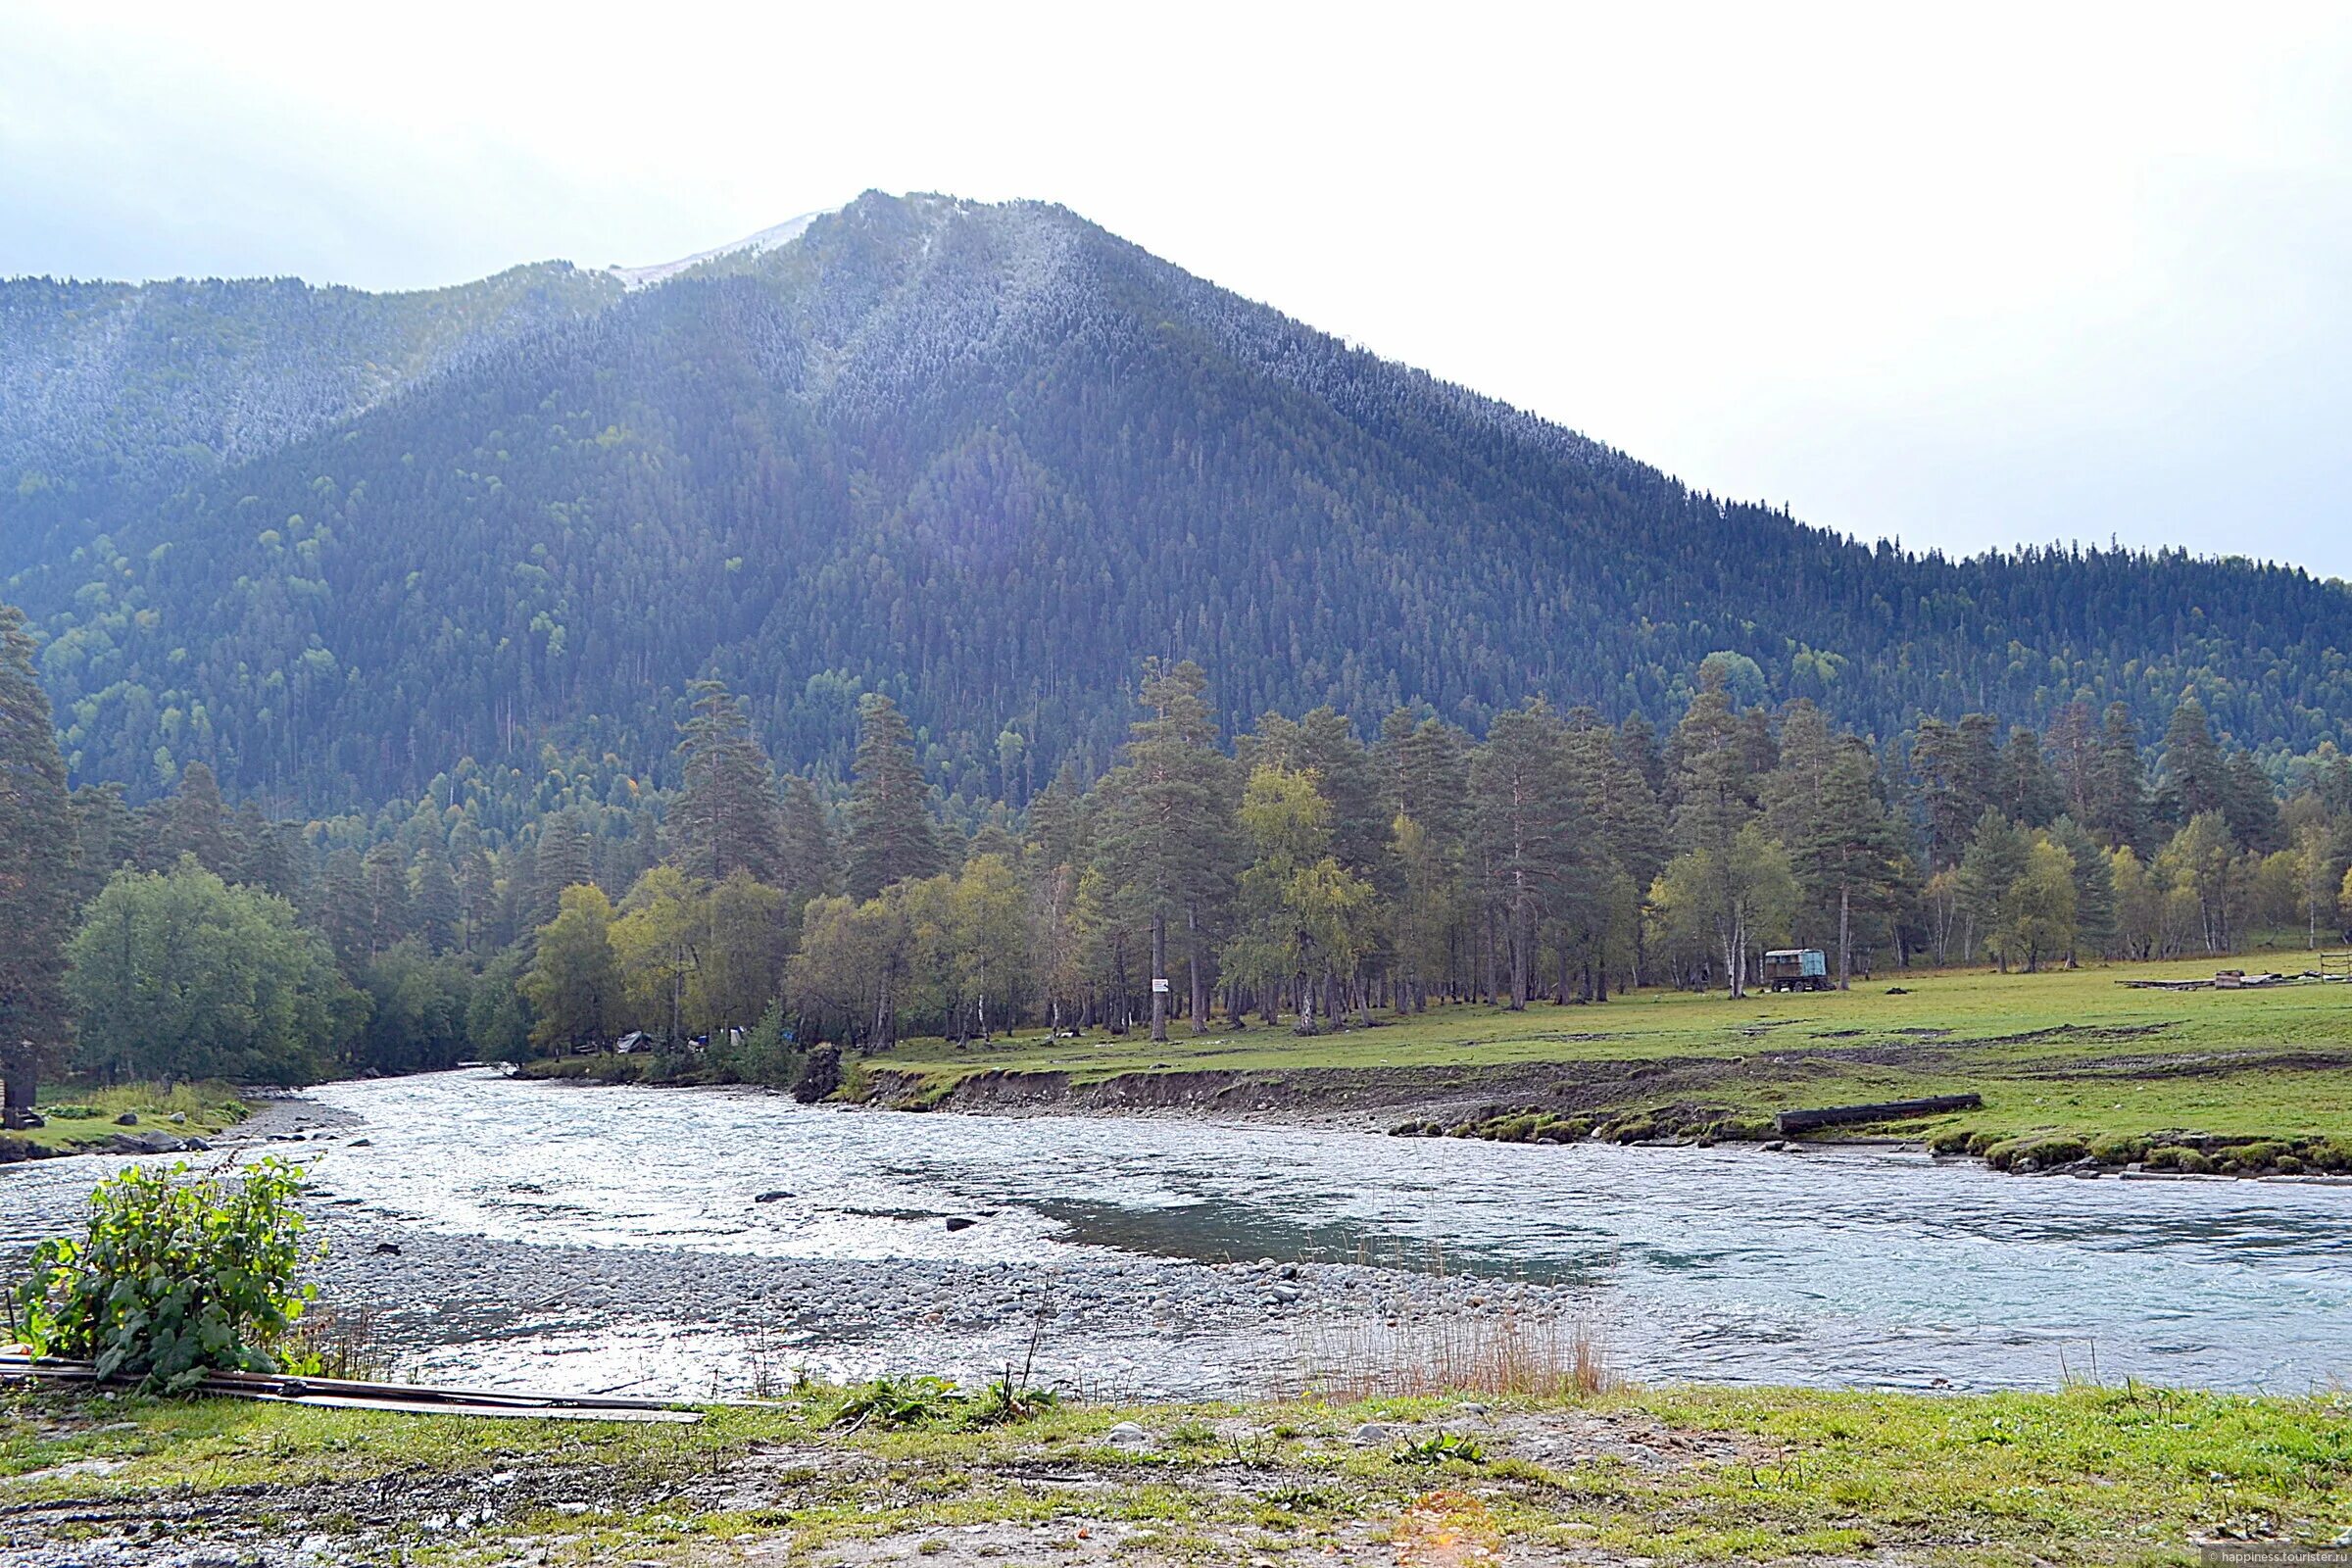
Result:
pixel 767 239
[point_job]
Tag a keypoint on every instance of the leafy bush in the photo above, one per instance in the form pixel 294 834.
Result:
pixel 176 1276
pixel 1005 1401
pixel 924 1402
pixel 1438 1450
pixel 896 1402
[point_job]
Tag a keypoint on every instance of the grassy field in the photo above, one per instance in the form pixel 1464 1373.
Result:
pixel 80 1117
pixel 2073 1056
pixel 2128 1475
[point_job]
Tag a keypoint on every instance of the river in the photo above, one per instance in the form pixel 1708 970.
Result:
pixel 563 1235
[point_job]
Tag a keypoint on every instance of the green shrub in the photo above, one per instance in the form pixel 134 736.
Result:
pixel 2034 1153
pixel 176 1276
pixel 2180 1157
pixel 925 1401
pixel 2115 1150
pixel 1439 1449
pixel 896 1402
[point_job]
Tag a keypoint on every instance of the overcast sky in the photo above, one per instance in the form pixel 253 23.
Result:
pixel 1997 275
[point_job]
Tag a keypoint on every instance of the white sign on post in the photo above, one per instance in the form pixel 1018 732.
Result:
pixel 1160 985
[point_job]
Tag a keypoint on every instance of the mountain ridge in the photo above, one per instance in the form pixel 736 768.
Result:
pixel 986 457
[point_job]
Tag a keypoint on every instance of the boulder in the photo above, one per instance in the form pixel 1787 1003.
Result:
pixel 129 1118
pixel 776 1196
pixel 1127 1435
pixel 957 1222
pixel 1372 1433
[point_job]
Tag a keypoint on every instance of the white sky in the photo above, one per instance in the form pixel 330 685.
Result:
pixel 1991 275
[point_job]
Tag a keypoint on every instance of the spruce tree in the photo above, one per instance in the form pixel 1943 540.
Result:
pixel 810 866
pixel 37 843
pixel 385 875
pixel 562 859
pixel 725 820
pixel 891 837
pixel 2195 776
pixel 195 822
pixel 2119 810
pixel 435 908
pixel 2095 885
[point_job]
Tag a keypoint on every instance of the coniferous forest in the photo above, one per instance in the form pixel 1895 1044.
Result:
pixel 956 618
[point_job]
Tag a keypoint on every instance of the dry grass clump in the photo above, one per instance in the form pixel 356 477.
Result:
pixel 1510 1355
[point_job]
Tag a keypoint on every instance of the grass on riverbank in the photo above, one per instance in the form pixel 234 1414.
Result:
pixel 2067 1054
pixel 82 1117
pixel 1676 1475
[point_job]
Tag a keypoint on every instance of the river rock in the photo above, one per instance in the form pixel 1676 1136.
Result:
pixel 957 1222
pixel 776 1196
pixel 1371 1435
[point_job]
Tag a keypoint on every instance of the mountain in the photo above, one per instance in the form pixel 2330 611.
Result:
pixel 984 458
pixel 767 239
pixel 114 395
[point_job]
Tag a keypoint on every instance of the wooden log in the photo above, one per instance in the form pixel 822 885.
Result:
pixel 405 1398
pixel 1799 1121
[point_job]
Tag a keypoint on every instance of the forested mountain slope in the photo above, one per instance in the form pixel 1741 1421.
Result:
pixel 985 458
pixel 112 395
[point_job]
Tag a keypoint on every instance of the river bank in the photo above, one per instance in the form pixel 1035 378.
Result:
pixel 1659 1476
pixel 2083 1072
pixel 130 1119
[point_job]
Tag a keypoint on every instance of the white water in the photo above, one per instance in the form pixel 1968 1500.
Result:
pixel 1863 1267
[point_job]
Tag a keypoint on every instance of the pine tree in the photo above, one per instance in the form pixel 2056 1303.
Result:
pixel 37 842
pixel 1995 859
pixel 2119 808
pixel 435 908
pixel 809 868
pixel 2194 776
pixel 343 910
pixel 195 822
pixel 891 837
pixel 2029 791
pixel 1168 834
pixel 1521 825
pixel 386 879
pixel 562 859
pixel 105 838
pixel 1847 853
pixel 2095 922
pixel 2250 806
pixel 725 820
pixel 1958 773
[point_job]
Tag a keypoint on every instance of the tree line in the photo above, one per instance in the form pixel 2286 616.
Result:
pixel 1296 874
